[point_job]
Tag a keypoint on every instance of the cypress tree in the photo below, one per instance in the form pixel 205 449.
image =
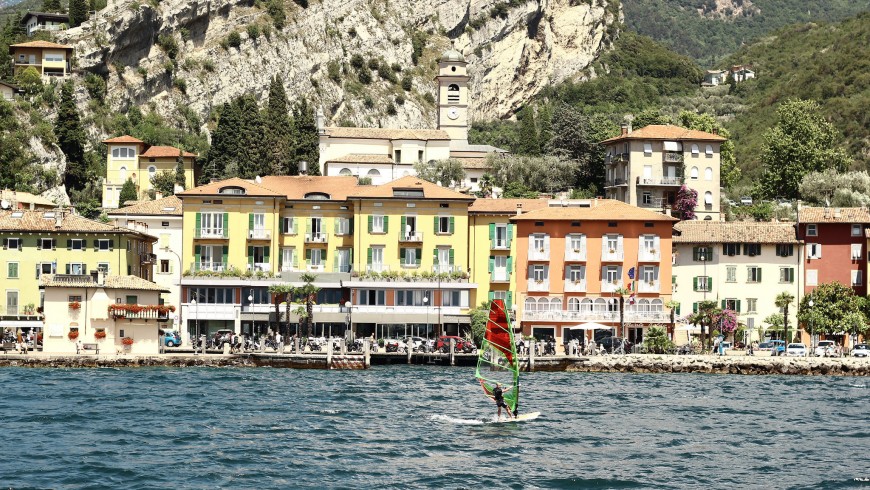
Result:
pixel 222 157
pixel 78 12
pixel 71 138
pixel 128 192
pixel 179 171
pixel 304 132
pixel 51 6
pixel 251 146
pixel 279 149
pixel 528 142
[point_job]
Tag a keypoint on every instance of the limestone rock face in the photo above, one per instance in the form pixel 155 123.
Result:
pixel 513 51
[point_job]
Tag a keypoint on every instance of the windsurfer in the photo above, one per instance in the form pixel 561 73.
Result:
pixel 498 395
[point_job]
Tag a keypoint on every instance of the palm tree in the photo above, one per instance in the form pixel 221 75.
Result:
pixel 673 305
pixel 783 300
pixel 308 292
pixel 707 311
pixel 281 292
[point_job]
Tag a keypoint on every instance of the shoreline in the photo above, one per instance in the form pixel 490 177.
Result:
pixel 630 363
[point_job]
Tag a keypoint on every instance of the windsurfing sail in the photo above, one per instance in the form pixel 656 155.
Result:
pixel 497 360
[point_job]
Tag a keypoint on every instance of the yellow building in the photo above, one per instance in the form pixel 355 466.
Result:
pixel 49 59
pixel 58 242
pixel 130 158
pixel 492 238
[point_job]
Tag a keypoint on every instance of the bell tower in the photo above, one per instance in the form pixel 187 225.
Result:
pixel 453 96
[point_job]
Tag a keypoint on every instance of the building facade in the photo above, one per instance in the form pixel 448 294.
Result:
pixel 130 158
pixel 580 262
pixel 742 266
pixel 836 247
pixel 647 167
pixel 49 59
pixel 43 21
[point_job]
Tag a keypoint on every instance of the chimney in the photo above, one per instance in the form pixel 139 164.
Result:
pixel 95 276
pixel 836 213
pixel 519 208
pixel 158 195
pixel 303 168
pixel 58 217
pixel 625 129
pixel 716 131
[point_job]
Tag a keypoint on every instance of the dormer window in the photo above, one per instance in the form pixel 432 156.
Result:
pixel 232 190
pixel 408 193
pixel 317 196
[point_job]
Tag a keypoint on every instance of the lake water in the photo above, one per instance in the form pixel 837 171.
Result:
pixel 420 427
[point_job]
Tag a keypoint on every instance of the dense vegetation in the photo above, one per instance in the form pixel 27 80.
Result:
pixel 696 28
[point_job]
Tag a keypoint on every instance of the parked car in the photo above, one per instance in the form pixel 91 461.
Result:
pixel 609 343
pixel 825 348
pixel 171 338
pixel 861 350
pixel 462 345
pixel 796 350
pixel 415 342
pixel 775 347
pixel 745 201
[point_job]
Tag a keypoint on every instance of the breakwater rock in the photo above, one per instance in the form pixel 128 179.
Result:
pixel 722 365
pixel 124 361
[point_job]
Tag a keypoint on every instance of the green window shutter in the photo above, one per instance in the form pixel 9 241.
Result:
pixel 695 307
pixel 510 265
pixel 678 310
pixel 402 255
pixel 251 254
pixel 369 255
pixel 759 274
pixel 452 224
pixel 436 224
pixel 491 263
pixel 250 221
pixel 723 304
pixel 67 268
pixel 695 283
pixel 225 253
pixel 197 250
pixel 335 259
pixel 307 254
pixel 96 245
pixel 738 307
pixel 402 229
pixel 451 256
pixel 509 301
pixel 491 295
pixel 491 233
pixel 371 223
pixel 198 221
pixel 266 254
pixel 280 260
pixel 791 275
pixel 510 234
pixel 295 226
pixel 68 245
pixel 696 253
pixel 435 256
pixel 386 224
pixel 419 255
pixel 226 225
pixel 112 245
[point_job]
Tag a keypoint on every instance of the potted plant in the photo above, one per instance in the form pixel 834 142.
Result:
pixel 100 334
pixel 75 305
pixel 73 334
pixel 128 341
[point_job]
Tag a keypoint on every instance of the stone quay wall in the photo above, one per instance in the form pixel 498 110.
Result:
pixel 651 363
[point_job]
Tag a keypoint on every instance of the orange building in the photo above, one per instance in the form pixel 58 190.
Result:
pixel 576 259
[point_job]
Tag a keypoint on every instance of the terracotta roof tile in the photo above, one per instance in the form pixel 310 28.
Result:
pixel 167 206
pixel 296 187
pixel 164 151
pixel 387 134
pixel 213 189
pixel 666 132
pixel 111 282
pixel 124 139
pixel 834 215
pixel 410 182
pixel 734 232
pixel 41 44
pixel 361 158
pixel 600 210
pixel 506 206
pixel 46 221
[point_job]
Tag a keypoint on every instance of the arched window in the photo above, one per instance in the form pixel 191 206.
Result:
pixel 543 304
pixel 708 198
pixel 708 173
pixel 694 173
pixel 574 304
pixel 152 171
pixel 656 305
pixel 345 171
pixel 555 304
pixel 600 305
pixel 453 93
pixel 531 304
pixel 695 150
pixel 122 174
pixel 374 173
pixel 709 151
pixel 643 305
pixel 586 305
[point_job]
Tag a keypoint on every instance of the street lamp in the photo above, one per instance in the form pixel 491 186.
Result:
pixel 196 323
pixel 812 338
pixel 251 305
pixel 426 305
pixel 347 306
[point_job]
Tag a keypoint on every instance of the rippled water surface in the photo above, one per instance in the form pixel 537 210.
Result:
pixel 416 427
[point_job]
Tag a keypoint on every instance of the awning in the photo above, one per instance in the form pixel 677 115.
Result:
pixel 590 326
pixel 673 146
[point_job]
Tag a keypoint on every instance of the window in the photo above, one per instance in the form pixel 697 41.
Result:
pixel 377 258
pixel 577 273
pixel 574 304
pixel 649 274
pixel 539 243
pixel 695 150
pixel 812 229
pixel 123 153
pixel 539 273
pixel 45 244
pixel 647 149
pixel 345 172
pixel 103 267
pixel 731 273
pixel 500 236
pixel 453 93
pixel 731 304
pixel 413 298
pixel 814 251
pixel 444 225
pixel 576 242
pixel 708 150
pixel 103 245
pixel 753 274
pixel 857 230
pixel 342 226
pixel 398 156
pixel 730 249
pixel 258 222
pixel 420 156
pixel 152 171
pixel 212 224
pixel 702 284
pixel 611 274
pixel 12 270
pixel 751 305
pixel 812 277
pixel 410 257
pixel 693 174
pixel 377 224
pixel 315 257
pixel 212 295
pixel 164 266
pixel 372 297
pixel 786 274
pixel 76 268
pixel 857 254
pixel 288 225
pixel 752 249
pixel 12 244
pixel 11 302
pixel 708 173
pixel 288 259
pixel 647 198
pixel 611 242
pixel 857 280
pixel 702 254
pixel 708 200
pixel 451 298
pixel 784 250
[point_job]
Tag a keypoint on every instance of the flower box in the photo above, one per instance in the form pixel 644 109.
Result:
pixel 73 334
pixel 100 334
pixel 75 305
pixel 127 341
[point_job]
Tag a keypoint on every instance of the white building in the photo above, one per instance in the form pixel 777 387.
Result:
pixel 743 266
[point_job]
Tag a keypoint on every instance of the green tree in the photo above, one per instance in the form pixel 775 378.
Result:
pixel 834 309
pixel 541 174
pixel 78 12
pixel 729 172
pixel 650 116
pixel 51 6
pixel 279 148
pixel 180 179
pixel 445 173
pixel 14 155
pixel 479 317
pixel 308 293
pixel 281 293
pixel 163 182
pixel 485 185
pixel 71 138
pixel 705 317
pixel 783 301
pixel 848 189
pixel 29 81
pixel 224 143
pixel 529 139
pixel 516 190
pixel 128 192
pixel 275 8
pixel 572 138
pixel 801 142
pixel 304 133
pixel 656 340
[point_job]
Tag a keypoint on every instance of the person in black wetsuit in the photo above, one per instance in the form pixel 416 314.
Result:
pixel 498 395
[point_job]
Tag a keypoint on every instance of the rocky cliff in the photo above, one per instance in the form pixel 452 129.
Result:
pixel 514 48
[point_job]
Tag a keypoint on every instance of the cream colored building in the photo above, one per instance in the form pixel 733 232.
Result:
pixel 742 266
pixel 647 167
pixel 102 311
pixel 385 154
pixel 7 91
pixel 49 59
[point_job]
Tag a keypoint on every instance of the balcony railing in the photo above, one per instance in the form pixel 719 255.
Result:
pixel 497 244
pixel 655 203
pixel 610 286
pixel 290 266
pixel 538 286
pixel 446 268
pixel 316 237
pixel 499 275
pixel 414 236
pixel 539 254
pixel 649 255
pixel 598 315
pixel 575 254
pixel 208 266
pixel 260 234
pixel 341 268
pixel 212 233
pixel 618 158
pixel 672 157
pixel 140 312
pixel 662 181
pixel 575 286
pixel 260 267
pixel 377 268
pixel 647 286
pixel 615 183
pixel 612 255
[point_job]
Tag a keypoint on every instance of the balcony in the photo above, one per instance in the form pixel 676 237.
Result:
pixel 290 267
pixel 615 183
pixel 208 266
pixel 538 286
pixel 647 286
pixel 497 244
pixel 619 158
pixel 499 275
pixel 655 203
pixel 379 268
pixel 316 237
pixel 598 316
pixel 661 181
pixel 610 286
pixel 212 233
pixel 259 234
pixel 578 286
pixel 575 255
pixel 612 255
pixel 259 267
pixel 539 254
pixel 341 268
pixel 147 258
pixel 649 255
pixel 414 237
pixel 672 157
pixel 445 268
pixel 140 312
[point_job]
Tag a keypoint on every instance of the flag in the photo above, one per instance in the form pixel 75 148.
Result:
pixel 631 273
pixel 631 299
